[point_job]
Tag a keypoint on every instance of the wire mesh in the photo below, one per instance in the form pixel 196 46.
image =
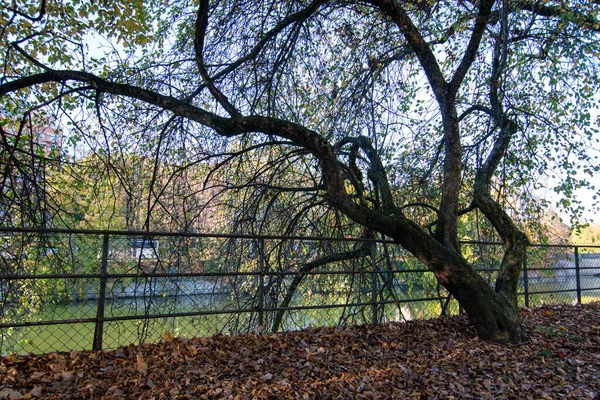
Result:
pixel 156 287
pixel 589 266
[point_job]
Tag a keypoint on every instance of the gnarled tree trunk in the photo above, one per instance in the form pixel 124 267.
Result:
pixel 494 315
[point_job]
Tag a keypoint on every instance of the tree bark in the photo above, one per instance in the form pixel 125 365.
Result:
pixel 492 315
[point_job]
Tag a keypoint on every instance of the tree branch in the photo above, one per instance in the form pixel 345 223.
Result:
pixel 485 8
pixel 362 251
pixel 169 103
pixel 37 18
pixel 377 171
pixel 473 108
pixel 415 239
pixel 417 43
pixel 544 10
pixel 201 25
pixel 268 36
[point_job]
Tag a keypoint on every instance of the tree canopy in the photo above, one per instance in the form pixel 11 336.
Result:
pixel 401 117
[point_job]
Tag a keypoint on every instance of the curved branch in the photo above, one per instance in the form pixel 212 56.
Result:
pixel 37 18
pixel 362 251
pixel 462 212
pixel 418 44
pixel 355 181
pixel 227 127
pixel 27 56
pixel 424 205
pixel 268 36
pixel 485 9
pixel 377 171
pixel 442 260
pixel 474 108
pixel 169 103
pixel 201 25
pixel 515 240
pixel 545 10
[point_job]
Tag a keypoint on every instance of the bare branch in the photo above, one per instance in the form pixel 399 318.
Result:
pixel 201 25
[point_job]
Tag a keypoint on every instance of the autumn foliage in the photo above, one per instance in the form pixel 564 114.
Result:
pixel 435 359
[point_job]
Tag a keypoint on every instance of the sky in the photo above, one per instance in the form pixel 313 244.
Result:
pixel 96 46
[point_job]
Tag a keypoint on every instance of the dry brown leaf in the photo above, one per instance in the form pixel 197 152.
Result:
pixel 36 391
pixel 10 394
pixel 420 359
pixel 140 363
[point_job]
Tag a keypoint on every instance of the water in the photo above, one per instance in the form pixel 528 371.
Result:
pixel 66 337
pixel 589 284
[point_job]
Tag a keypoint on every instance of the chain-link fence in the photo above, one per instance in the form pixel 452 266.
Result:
pixel 63 290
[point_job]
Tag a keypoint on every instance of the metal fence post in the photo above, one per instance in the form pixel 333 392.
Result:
pixel 577 275
pixel 261 281
pixel 525 278
pixel 97 345
pixel 375 310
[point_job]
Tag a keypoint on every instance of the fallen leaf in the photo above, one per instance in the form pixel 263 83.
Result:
pixel 140 363
pixel 438 358
pixel 10 394
pixel 267 377
pixel 36 391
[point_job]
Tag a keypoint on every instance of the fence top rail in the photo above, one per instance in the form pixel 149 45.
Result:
pixel 251 236
pixel 546 245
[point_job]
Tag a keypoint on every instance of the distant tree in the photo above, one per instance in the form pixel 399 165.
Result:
pixel 587 235
pixel 552 229
pixel 24 164
pixel 401 117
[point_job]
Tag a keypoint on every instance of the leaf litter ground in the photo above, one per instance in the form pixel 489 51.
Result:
pixel 434 359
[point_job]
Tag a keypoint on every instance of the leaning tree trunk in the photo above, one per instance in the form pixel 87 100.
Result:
pixel 515 240
pixel 493 316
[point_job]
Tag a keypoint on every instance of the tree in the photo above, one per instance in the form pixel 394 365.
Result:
pixel 401 117
pixel 587 235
